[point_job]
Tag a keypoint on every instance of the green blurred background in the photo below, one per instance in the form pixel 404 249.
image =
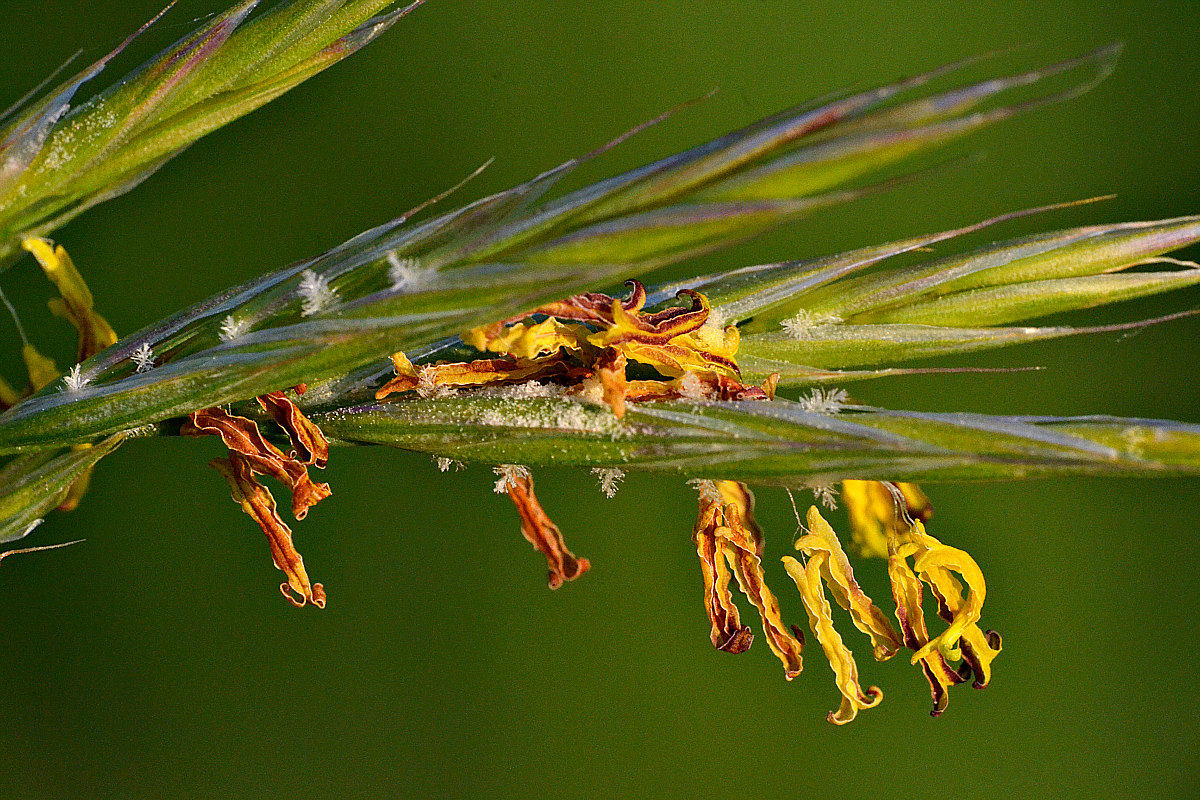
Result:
pixel 157 659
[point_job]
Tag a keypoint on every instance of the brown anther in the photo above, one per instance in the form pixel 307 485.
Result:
pixel 727 519
pixel 406 378
pixel 678 318
pixel 541 531
pixel 728 633
pixel 318 595
pixel 310 444
pixel 658 328
pixel 257 502
pixel 591 307
pixel 748 569
pixel 769 385
pixel 243 437
pixel 611 370
pixel 707 386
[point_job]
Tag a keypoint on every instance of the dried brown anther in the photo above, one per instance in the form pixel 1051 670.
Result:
pixel 256 501
pixel 695 386
pixel 726 518
pixel 610 368
pixel 242 436
pixel 538 528
pixel 310 444
pixel 591 307
pixel 586 342
pixel 728 633
pixel 406 378
pixel 250 454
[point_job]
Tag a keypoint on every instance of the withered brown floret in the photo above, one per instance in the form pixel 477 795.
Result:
pixel 728 633
pixel 727 519
pixel 311 447
pixel 250 454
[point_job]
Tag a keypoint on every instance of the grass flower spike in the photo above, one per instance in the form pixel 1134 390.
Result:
pixel 528 329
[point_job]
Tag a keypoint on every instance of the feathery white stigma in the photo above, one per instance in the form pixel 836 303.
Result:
pixel 509 475
pixel 315 293
pixel 444 464
pixel 74 379
pixel 825 401
pixel 143 357
pixel 826 494
pixel 233 328
pixel 708 490
pixel 405 273
pixel 802 326
pixel 610 479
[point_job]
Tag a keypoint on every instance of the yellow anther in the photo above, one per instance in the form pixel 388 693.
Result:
pixel 839 576
pixel 820 619
pixel 75 305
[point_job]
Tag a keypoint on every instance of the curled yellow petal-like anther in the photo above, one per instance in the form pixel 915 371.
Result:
pixel 867 516
pixel 406 378
pixel 936 565
pixel 528 340
pixel 906 589
pixel 808 579
pixel 76 303
pixel 839 576
pixel 963 639
pixel 75 306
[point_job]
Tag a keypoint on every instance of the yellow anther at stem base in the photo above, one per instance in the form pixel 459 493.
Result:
pixel 529 340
